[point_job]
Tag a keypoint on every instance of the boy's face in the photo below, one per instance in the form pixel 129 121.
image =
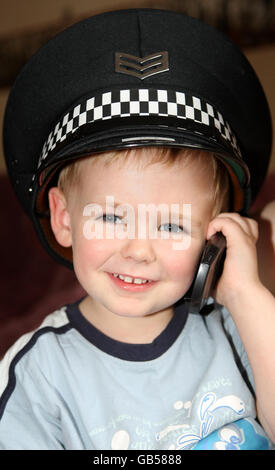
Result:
pixel 170 270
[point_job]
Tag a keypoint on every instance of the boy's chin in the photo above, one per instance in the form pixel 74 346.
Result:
pixel 135 312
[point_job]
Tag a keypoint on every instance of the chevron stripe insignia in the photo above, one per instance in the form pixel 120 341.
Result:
pixel 141 67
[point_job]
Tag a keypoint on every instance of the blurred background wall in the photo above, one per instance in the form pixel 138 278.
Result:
pixel 25 25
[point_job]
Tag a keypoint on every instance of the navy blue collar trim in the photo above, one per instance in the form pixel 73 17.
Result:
pixel 127 351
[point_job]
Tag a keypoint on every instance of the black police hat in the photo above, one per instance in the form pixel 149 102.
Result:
pixel 135 77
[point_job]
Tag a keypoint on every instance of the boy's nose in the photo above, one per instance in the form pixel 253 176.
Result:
pixel 139 250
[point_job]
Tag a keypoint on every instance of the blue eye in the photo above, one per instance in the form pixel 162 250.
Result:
pixel 111 218
pixel 171 228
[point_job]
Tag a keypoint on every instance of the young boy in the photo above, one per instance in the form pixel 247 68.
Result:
pixel 127 366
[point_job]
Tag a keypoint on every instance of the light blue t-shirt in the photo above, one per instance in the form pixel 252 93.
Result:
pixel 68 386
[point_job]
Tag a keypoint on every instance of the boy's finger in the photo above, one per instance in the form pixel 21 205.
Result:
pixel 249 225
pixel 232 227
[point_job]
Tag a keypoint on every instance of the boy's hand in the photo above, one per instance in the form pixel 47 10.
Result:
pixel 240 272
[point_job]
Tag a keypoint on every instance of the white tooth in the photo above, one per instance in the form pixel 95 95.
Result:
pixel 140 281
pixel 130 280
pixel 126 278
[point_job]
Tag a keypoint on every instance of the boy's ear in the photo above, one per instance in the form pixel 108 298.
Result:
pixel 60 217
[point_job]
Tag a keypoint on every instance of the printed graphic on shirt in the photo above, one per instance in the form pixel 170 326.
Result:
pixel 208 406
pixel 209 430
pixel 244 434
pixel 236 436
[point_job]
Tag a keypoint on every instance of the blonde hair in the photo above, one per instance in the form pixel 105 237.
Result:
pixel 69 177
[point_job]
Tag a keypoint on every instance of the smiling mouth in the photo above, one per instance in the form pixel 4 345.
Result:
pixel 130 283
pixel 131 280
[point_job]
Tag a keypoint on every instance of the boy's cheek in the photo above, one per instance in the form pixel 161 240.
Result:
pixel 181 267
pixel 92 251
pixel 186 259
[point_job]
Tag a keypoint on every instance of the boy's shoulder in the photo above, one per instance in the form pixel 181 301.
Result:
pixel 26 349
pixel 220 315
pixel 233 337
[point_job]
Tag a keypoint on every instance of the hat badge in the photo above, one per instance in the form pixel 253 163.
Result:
pixel 141 67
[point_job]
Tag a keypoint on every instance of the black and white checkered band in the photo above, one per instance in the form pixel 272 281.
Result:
pixel 138 102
